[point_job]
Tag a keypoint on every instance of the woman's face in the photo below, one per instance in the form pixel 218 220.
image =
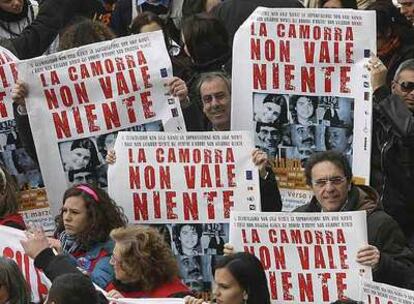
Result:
pixel 12 6
pixel 80 158
pixel 4 294
pixel 188 237
pixel 226 289
pixel 304 107
pixel 271 112
pixel 116 262
pixel 75 215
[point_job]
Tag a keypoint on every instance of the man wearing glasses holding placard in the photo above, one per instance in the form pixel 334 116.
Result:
pixel 392 163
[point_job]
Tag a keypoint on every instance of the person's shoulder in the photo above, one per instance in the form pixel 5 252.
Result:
pixel 102 247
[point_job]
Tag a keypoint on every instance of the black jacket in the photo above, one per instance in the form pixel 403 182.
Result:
pixel 270 199
pixel 396 266
pixel 122 15
pixel 36 38
pixel 392 160
pixel 404 52
pixel 55 265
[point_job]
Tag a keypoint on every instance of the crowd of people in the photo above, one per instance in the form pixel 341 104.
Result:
pixel 93 242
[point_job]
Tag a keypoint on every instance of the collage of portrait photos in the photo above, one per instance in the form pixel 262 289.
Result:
pixel 295 126
pixel 83 160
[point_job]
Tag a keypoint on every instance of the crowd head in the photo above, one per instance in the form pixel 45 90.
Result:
pixel 329 175
pixel 72 288
pixel 142 257
pixel 403 83
pixel 13 286
pixel 88 214
pixel 205 38
pixel 215 93
pixel 239 279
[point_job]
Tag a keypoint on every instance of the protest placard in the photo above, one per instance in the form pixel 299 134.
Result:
pixel 15 159
pixel 305 89
pixel 195 177
pixel 80 98
pixel 378 293
pixel 10 247
pixel 186 184
pixel 8 77
pixel 307 257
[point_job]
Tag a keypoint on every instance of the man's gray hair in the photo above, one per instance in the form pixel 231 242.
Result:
pixel 209 76
pixel 405 65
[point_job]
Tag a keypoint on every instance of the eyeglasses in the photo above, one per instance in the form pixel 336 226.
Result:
pixel 334 180
pixel 406 86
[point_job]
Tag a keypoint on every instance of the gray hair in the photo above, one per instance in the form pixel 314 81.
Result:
pixel 405 65
pixel 209 76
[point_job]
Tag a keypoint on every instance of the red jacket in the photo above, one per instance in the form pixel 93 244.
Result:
pixel 14 221
pixel 176 288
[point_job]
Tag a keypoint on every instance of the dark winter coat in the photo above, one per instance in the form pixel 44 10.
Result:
pixel 396 265
pixel 392 160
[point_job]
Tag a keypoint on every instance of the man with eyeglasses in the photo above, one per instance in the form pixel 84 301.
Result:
pixel 392 159
pixel 330 177
pixel 214 89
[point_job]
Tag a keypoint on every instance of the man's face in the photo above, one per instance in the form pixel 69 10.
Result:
pixel 83 178
pixel 216 103
pixel 191 272
pixel 304 107
pixel 407 9
pixel 403 87
pixel 303 137
pixel 11 6
pixel 269 136
pixel 336 139
pixel 329 186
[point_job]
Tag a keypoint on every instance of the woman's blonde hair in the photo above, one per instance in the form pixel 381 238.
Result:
pixel 144 256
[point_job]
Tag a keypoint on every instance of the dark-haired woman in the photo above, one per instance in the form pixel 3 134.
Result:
pixel 83 226
pixel 187 238
pixel 239 279
pixel 9 206
pixel 83 155
pixel 13 286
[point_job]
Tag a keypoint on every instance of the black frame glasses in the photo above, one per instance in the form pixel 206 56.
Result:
pixel 334 180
